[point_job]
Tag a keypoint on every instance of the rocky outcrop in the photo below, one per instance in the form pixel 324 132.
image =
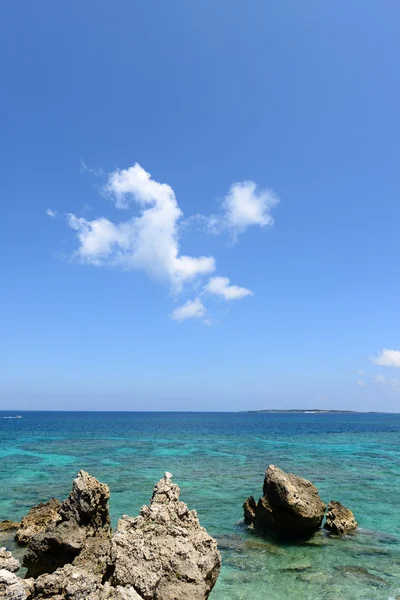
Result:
pixel 163 554
pixel 290 505
pixel 82 515
pixel 8 526
pixel 11 586
pixel 173 556
pixel 37 520
pixel 339 519
pixel 77 584
pixel 8 562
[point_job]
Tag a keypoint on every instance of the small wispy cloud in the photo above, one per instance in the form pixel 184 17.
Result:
pixel 393 383
pixel 220 286
pixel 361 382
pixel 192 309
pixel 96 172
pixel 360 372
pixel 387 358
pixel 51 213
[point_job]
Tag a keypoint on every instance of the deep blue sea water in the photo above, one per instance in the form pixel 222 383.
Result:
pixel 218 459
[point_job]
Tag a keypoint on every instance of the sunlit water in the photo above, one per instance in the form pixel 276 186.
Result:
pixel 218 460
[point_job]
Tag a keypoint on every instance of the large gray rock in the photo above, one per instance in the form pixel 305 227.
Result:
pixel 339 519
pixel 37 520
pixel 82 515
pixel 164 553
pixel 8 562
pixel 290 505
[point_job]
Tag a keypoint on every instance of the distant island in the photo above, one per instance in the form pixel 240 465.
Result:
pixel 304 410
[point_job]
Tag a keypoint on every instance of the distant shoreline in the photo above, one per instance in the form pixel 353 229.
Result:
pixel 313 411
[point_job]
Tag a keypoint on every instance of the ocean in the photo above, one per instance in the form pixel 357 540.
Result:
pixel 218 459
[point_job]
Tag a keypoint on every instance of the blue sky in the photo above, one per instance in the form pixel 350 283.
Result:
pixel 200 205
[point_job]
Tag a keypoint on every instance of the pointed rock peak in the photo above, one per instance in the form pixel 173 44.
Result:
pixel 165 491
pixel 87 502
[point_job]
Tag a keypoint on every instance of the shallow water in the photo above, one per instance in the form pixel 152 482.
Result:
pixel 218 459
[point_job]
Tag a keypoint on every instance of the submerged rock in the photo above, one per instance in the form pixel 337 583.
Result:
pixel 8 562
pixel 315 577
pixel 362 574
pixel 297 567
pixel 82 515
pixel 164 553
pixel 291 505
pixel 339 519
pixel 37 520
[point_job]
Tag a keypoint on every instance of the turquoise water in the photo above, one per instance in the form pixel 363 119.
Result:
pixel 218 459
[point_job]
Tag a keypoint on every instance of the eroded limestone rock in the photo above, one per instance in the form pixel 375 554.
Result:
pixel 164 553
pixel 290 505
pixel 339 519
pixel 11 586
pixel 37 520
pixel 82 515
pixel 8 562
pixel 8 525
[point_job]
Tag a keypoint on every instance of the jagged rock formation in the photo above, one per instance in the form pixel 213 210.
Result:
pixel 339 519
pixel 163 554
pixel 37 520
pixel 290 505
pixel 174 556
pixel 8 562
pixel 82 515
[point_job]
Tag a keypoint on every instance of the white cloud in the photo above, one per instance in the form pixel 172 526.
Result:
pixel 148 238
pixel 193 309
pixel 387 358
pixel 243 206
pixel 220 286
pixel 360 372
pixel 379 378
pixel 361 382
pixel 149 241
pixel 50 213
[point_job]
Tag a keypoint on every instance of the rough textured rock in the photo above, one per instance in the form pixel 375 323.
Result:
pixel 339 519
pixel 77 584
pixel 95 555
pixel 8 562
pixel 164 553
pixel 11 587
pixel 250 509
pixel 8 525
pixel 290 505
pixel 82 515
pixel 37 520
